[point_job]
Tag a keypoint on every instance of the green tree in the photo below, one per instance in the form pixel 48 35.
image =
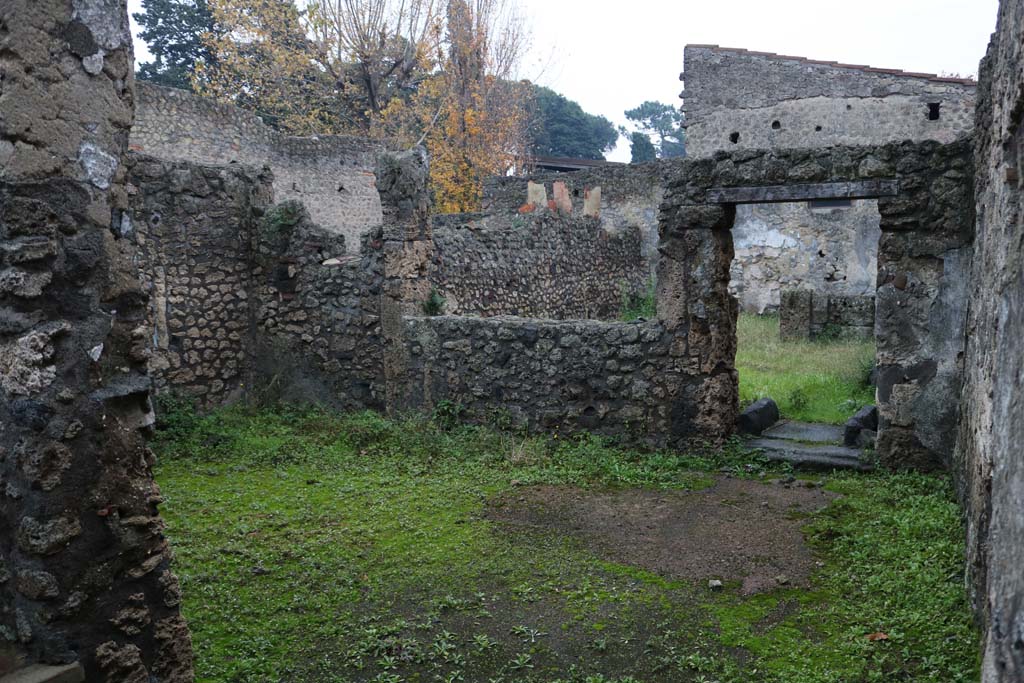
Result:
pixel 174 31
pixel 663 121
pixel 641 148
pixel 562 129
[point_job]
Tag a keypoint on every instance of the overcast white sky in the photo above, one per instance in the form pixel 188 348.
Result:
pixel 612 55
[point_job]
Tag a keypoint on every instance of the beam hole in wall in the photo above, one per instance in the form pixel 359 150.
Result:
pixel 776 125
pixel 734 138
pixel 933 111
pixel 817 129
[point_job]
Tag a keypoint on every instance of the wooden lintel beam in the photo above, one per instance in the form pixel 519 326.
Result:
pixel 852 189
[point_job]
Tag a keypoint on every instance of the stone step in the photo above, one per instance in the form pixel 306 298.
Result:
pixel 40 673
pixel 811 456
pixel 805 431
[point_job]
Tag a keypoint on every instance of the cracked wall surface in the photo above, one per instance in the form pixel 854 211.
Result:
pixel 84 564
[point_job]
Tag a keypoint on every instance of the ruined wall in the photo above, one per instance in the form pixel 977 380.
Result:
pixel 195 227
pixel 84 564
pixel 619 379
pixel 249 300
pixel 805 314
pixel 832 251
pixel 736 99
pixel 332 175
pixel 989 462
pixel 628 201
pixel 922 273
pixel 316 312
pixel 536 265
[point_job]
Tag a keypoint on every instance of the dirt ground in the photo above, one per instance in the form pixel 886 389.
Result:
pixel 736 530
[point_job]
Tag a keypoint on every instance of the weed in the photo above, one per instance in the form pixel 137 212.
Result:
pixel 638 304
pixel 434 305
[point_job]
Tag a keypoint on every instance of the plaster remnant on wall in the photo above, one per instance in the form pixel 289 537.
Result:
pixel 98 165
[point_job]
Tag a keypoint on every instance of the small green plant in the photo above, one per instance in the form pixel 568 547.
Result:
pixel 798 398
pixel 279 222
pixel 638 304
pixel 434 305
pixel 448 414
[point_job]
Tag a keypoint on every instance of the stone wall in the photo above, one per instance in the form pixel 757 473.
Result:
pixel 332 175
pixel 536 265
pixel 805 314
pixel 628 199
pixel 250 300
pixel 922 273
pixel 85 568
pixel 827 249
pixel 736 99
pixel 619 379
pixel 195 227
pixel 989 462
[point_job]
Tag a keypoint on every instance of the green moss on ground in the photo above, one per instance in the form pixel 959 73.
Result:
pixel 812 381
pixel 321 547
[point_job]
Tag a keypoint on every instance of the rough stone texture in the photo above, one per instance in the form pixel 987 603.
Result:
pixel 833 251
pixel 820 104
pixel 332 175
pixel 805 314
pixel 622 379
pixel 80 537
pixel 536 265
pixel 777 102
pixel 989 464
pixel 758 416
pixel 195 227
pixel 628 199
pixel 318 336
pixel 248 299
pixel 920 306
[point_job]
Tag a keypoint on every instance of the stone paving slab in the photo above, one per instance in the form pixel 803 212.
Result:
pixel 39 673
pixel 806 431
pixel 811 456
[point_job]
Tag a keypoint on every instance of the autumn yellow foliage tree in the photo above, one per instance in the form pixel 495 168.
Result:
pixel 434 72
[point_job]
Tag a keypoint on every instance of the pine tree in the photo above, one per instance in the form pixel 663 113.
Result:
pixel 175 31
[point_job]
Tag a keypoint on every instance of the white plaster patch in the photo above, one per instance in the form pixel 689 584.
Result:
pixel 95 352
pixel 98 165
pixel 106 19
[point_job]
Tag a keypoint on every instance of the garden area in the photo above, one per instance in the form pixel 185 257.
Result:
pixel 825 380
pixel 321 547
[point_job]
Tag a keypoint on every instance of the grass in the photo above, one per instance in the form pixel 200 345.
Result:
pixel 812 381
pixel 322 547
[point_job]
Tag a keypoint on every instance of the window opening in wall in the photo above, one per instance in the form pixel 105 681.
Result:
pixel 933 111
pixel 829 204
pixel 776 125
pixel 734 138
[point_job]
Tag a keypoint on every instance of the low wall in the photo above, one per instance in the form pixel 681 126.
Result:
pixel 624 379
pixel 805 314
pixel 332 175
pixel 538 265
